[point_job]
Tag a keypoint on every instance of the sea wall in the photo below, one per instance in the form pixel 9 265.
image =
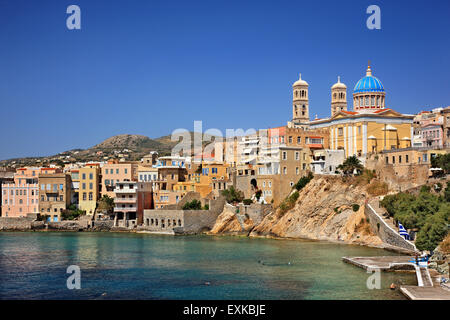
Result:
pixel 15 224
pixel 29 224
pixel 182 221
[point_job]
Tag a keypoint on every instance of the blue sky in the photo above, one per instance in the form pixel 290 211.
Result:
pixel 149 67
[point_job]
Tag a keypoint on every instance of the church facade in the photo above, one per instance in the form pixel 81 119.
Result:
pixel 370 128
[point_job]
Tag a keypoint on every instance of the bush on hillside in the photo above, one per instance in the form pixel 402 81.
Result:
pixel 288 203
pixel 429 213
pixel 303 181
pixel 193 205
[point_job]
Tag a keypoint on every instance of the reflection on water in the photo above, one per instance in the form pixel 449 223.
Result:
pixel 140 266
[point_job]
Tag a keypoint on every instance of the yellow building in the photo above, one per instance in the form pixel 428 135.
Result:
pixel 89 187
pixel 371 127
pixel 364 133
pixel 213 177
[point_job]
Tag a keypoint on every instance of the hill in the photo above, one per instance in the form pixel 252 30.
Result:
pixel 127 146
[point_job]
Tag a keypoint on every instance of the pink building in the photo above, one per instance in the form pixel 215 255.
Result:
pixel 22 196
pixel 432 136
pixel 113 172
pixel 431 130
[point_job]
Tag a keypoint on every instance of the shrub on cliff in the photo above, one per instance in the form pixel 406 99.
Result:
pixel 434 230
pixel 288 203
pixel 428 212
pixel 303 181
pixel 247 202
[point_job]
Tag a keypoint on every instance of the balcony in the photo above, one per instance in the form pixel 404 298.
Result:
pixel 124 190
pixel 126 209
pixel 125 200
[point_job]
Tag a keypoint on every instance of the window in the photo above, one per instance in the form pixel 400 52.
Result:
pixel 61 198
pixel 393 159
pixel 117 171
pixel 284 155
pixel 84 196
pixel 297 157
pixel 399 159
pixel 106 171
pixel 83 176
pixel 91 197
pixel 290 139
pixel 407 158
pixel 387 160
pixel 296 170
pixel 91 176
pixel 83 186
pixel 284 170
pixel 91 185
pixel 340 131
pixel 299 140
pixel 61 187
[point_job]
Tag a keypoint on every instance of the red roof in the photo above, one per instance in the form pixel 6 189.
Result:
pixel 349 112
pixel 382 110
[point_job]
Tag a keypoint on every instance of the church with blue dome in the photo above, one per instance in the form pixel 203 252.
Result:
pixel 368 93
pixel 370 127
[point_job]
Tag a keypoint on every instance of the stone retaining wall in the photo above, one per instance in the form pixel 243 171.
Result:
pixel 385 233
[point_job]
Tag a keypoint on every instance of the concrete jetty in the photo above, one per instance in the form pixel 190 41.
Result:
pixel 425 289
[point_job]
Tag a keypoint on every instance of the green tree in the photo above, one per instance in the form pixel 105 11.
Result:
pixel 233 195
pixel 351 164
pixel 106 203
pixel 447 192
pixel 428 212
pixel 193 205
pixel 441 161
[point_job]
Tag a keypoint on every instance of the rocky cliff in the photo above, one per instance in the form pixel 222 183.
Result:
pixel 327 209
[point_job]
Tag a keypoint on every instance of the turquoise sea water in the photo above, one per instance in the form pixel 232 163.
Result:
pixel 141 266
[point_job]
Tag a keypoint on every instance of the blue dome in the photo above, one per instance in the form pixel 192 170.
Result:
pixel 368 84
